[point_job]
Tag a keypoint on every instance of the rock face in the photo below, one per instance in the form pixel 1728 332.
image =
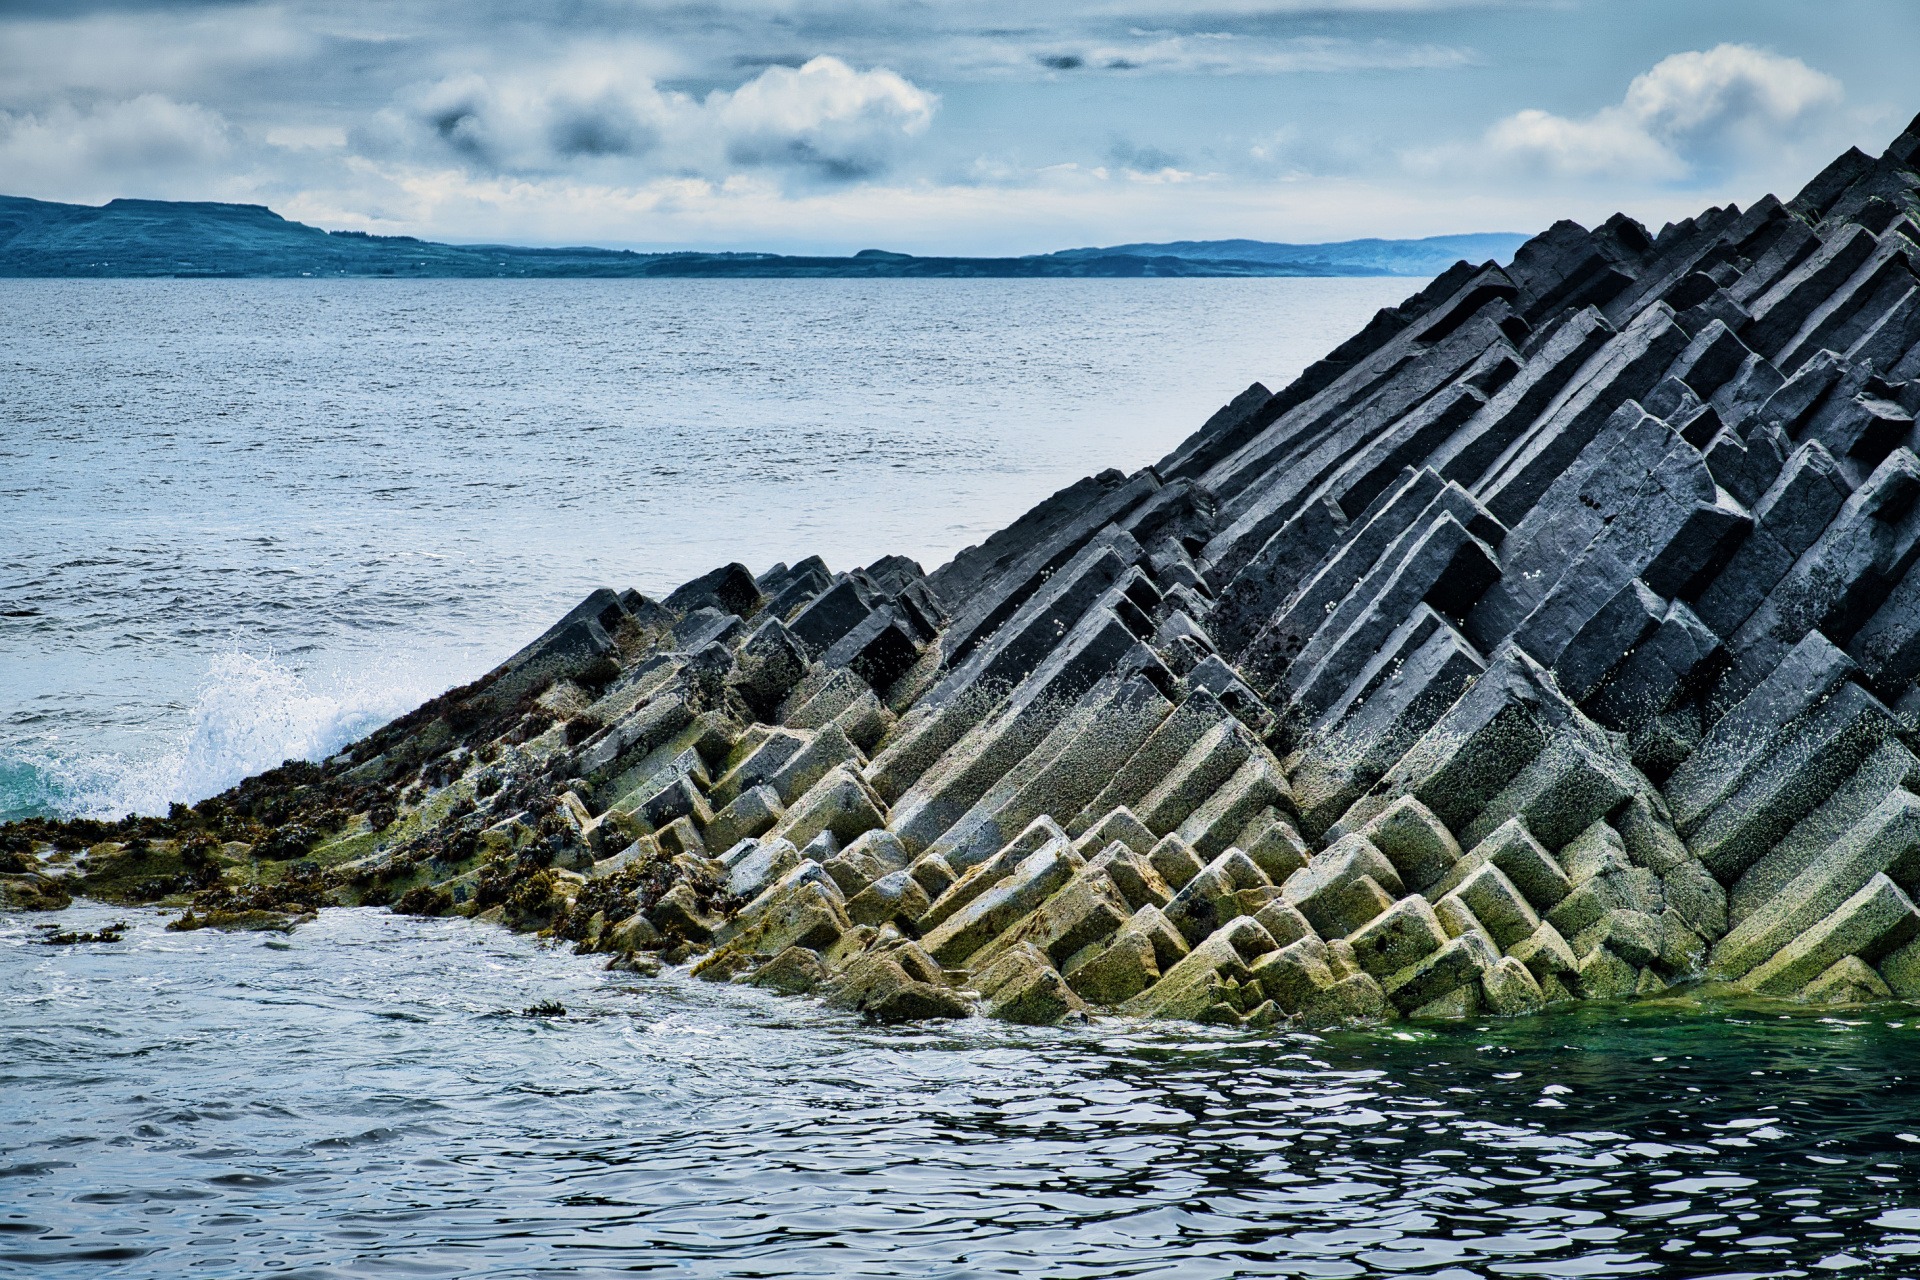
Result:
pixel 1554 637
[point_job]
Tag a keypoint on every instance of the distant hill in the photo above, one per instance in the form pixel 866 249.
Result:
pixel 1428 257
pixel 181 238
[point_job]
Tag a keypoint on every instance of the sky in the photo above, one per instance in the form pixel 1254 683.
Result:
pixel 936 126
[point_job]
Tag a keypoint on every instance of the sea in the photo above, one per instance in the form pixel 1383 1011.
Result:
pixel 243 521
pixel 384 1096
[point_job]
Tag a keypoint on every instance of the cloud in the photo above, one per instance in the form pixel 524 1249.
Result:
pixel 1017 212
pixel 1262 8
pixel 815 123
pixel 1692 113
pixel 1607 144
pixel 577 109
pixel 823 119
pixel 1165 52
pixel 133 145
pixel 823 116
pixel 190 51
pixel 314 137
pixel 1730 93
pixel 1139 158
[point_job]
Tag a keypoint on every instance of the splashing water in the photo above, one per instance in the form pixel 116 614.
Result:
pixel 252 712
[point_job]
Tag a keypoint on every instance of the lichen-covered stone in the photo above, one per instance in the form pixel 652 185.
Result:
pixel 1175 861
pixel 1117 972
pixel 795 971
pixel 1418 844
pixel 1847 981
pixel 1509 988
pixel 1213 971
pixel 1602 975
pixel 895 898
pixel 1272 841
pixel 1604 574
pixel 1634 936
pixel 1344 887
pixel 1457 964
pixel 1293 974
pixel 1020 986
pixel 1403 935
pixel 1546 955
pixel 754 812
pixel 1500 907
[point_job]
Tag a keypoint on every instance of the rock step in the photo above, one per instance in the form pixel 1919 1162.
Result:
pixel 1554 637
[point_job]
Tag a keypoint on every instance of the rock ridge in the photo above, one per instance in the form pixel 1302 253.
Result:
pixel 1555 637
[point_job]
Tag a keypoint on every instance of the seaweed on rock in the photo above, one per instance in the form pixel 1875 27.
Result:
pixel 1553 638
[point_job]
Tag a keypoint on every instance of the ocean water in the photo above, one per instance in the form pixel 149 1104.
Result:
pixel 242 521
pixel 367 1098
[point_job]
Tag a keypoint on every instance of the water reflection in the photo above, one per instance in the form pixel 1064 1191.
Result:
pixel 368 1100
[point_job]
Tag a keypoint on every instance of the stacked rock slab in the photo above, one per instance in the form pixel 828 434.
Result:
pixel 1554 637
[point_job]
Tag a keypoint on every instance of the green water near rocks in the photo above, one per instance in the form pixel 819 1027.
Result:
pixel 366 1097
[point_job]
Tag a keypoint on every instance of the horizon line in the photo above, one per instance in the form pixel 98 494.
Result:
pixel 636 248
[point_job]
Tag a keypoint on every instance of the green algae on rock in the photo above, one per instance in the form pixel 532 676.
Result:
pixel 1552 639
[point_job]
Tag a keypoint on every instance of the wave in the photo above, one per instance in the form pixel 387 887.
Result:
pixel 252 712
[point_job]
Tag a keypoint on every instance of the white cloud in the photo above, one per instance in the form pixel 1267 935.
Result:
pixel 578 109
pixel 1022 211
pixel 597 116
pixel 823 115
pixel 1262 8
pixel 1730 91
pixel 1602 145
pixel 317 137
pixel 188 52
pixel 134 146
pixel 1692 112
pixel 662 123
pixel 1225 53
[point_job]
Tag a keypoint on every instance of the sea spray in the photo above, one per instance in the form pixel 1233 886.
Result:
pixel 252 711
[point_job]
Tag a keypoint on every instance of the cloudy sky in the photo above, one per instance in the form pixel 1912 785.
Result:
pixel 983 126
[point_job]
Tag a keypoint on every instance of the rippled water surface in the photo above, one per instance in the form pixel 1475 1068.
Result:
pixel 366 1098
pixel 247 519
pixel 244 519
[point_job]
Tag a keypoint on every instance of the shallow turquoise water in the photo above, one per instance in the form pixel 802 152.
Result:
pixel 364 1098
pixel 250 519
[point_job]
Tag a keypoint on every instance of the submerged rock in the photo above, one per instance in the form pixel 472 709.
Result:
pixel 241 921
pixel 1554 638
pixel 53 936
pixel 33 892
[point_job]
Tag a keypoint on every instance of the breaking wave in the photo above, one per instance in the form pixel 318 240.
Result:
pixel 252 712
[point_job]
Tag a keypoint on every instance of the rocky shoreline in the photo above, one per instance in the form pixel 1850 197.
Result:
pixel 1553 638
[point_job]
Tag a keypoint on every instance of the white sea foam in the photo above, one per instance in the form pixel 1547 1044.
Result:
pixel 252 712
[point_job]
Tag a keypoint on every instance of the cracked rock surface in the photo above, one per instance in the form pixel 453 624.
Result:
pixel 1555 637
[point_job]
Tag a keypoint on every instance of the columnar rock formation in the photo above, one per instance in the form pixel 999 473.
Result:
pixel 1553 637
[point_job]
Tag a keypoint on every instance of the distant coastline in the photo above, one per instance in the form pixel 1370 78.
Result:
pixel 187 239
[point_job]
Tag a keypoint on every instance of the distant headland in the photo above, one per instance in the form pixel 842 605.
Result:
pixel 192 238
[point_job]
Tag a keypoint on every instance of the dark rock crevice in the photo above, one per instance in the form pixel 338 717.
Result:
pixel 1554 638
